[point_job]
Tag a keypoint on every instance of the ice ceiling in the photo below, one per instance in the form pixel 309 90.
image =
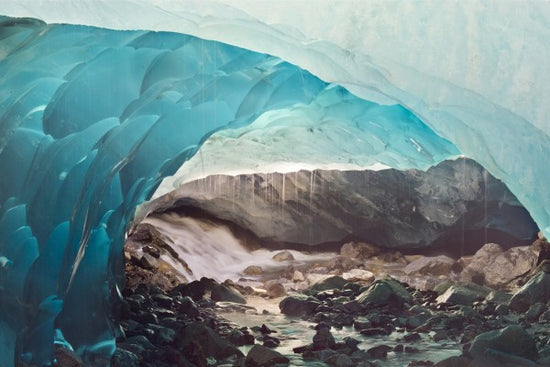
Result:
pixel 91 120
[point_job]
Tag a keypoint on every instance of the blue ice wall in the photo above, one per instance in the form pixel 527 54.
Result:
pixel 91 120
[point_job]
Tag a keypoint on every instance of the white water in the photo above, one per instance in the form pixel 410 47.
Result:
pixel 211 250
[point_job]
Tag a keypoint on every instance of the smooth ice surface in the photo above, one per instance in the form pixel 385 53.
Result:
pixel 91 120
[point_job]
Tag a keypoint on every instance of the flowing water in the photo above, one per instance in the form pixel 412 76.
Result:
pixel 211 250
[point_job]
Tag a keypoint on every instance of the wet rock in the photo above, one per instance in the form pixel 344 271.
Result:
pixel 188 307
pixel 359 250
pixel 283 256
pixel 454 361
pixel 225 293
pixel 534 312
pixel 153 251
pixel 385 291
pixel 420 364
pixel 253 270
pixel 438 265
pixel 275 290
pixel 464 294
pixel 260 356
pixel 339 360
pixel 323 338
pixel 199 336
pixel 194 289
pixel 148 262
pixel 124 358
pixel 380 351
pixel 373 331
pixel 333 282
pixel 162 300
pixel 413 337
pixel 510 340
pixel 537 289
pixel 499 297
pixel 298 305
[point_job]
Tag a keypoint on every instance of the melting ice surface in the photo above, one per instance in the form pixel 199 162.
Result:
pixel 92 119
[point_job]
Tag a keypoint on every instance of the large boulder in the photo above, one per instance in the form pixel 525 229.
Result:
pixel 512 343
pixel 225 293
pixel 537 289
pixel 495 268
pixel 437 265
pixel 197 336
pixel 298 305
pixel 333 282
pixel 463 294
pixel 260 356
pixel 385 292
pixel 359 250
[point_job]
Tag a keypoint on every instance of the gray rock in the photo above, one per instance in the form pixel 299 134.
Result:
pixel 339 360
pixel 225 293
pixel 334 282
pixel 385 291
pixel 298 304
pixel 148 262
pixel 534 312
pixel 124 358
pixel 537 289
pixel 496 268
pixel 359 250
pixel 275 290
pixel 253 270
pixel 454 361
pixel 463 294
pixel 323 338
pixel 437 265
pixel 260 356
pixel 283 256
pixel 512 340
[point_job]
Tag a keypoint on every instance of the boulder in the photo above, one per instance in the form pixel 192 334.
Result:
pixel 359 250
pixel 253 270
pixel 275 290
pixel 323 338
pixel 197 335
pixel 283 256
pixel 260 356
pixel 437 265
pixel 537 289
pixel 225 293
pixel 298 304
pixel 124 358
pixel 359 275
pixel 495 268
pixel 384 292
pixel 333 282
pixel 463 294
pixel 493 345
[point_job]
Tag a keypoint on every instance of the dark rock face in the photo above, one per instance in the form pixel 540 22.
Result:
pixel 537 289
pixel 260 356
pixel 452 204
pixel 511 340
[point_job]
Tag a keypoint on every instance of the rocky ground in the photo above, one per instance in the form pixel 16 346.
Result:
pixel 366 308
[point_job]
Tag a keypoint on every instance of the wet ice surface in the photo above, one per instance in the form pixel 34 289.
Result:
pixel 294 332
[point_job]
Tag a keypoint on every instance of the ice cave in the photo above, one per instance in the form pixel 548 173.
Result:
pixel 100 101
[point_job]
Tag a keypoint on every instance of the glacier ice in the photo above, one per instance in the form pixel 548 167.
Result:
pixel 92 119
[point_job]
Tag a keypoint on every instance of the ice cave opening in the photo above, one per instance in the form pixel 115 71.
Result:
pixel 93 118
